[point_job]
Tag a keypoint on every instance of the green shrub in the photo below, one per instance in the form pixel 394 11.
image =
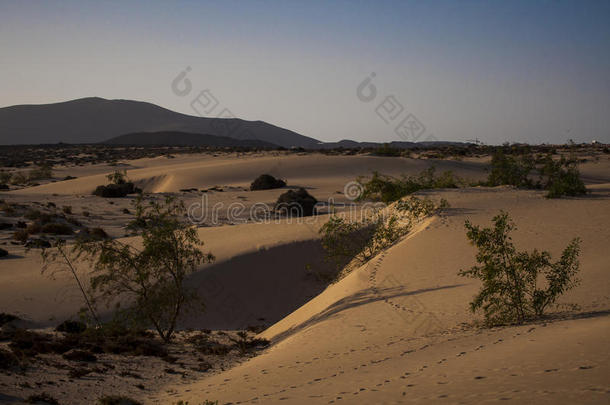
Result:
pixel 421 207
pixel 67 209
pixel 117 177
pixel 345 240
pixel 508 169
pixel 42 172
pixel 153 276
pixel 511 291
pixel 388 189
pixel 57 229
pixel 562 178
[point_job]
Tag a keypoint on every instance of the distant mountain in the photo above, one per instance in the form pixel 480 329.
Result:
pixel 175 138
pixel 94 119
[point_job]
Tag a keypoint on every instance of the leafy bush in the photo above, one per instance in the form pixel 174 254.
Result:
pixel 267 182
pixel 154 275
pixel 297 203
pixel 345 240
pixel 559 177
pixel 3 252
pixel 388 189
pixel 67 209
pixel 508 169
pixel 419 207
pixel 117 177
pixel 510 291
pixel 562 178
pixel 42 172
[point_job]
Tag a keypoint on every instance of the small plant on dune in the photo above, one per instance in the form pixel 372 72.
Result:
pixel 117 177
pixel 344 240
pixel 421 207
pixel 511 292
pixel 153 276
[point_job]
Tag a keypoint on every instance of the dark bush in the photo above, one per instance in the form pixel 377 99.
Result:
pixel 21 235
pixel 57 229
pixel 71 327
pixel 34 228
pixel 296 203
pixel 92 234
pixel 4 225
pixel 3 252
pixel 38 244
pixel 80 355
pixel 6 318
pixel 8 360
pixel 116 190
pixel 117 400
pixel 43 398
pixel 266 182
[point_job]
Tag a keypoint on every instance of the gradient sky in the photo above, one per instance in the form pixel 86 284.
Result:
pixel 518 71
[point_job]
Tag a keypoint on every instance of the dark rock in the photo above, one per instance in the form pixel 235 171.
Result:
pixel 296 203
pixel 267 182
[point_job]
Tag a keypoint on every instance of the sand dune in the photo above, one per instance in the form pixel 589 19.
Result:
pixel 395 329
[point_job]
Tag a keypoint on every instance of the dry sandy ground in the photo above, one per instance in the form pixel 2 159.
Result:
pixel 397 329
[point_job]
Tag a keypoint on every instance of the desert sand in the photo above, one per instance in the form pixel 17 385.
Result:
pixel 395 330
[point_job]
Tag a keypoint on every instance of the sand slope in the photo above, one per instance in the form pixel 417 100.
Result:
pixel 395 325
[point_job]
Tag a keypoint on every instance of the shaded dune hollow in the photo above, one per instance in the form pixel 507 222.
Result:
pixel 258 288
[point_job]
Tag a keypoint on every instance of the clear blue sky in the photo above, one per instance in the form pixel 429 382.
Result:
pixel 535 71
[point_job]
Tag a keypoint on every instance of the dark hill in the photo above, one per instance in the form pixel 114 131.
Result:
pixel 175 138
pixel 94 119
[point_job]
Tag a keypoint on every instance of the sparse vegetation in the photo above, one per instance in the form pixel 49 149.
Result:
pixel 511 291
pixel 119 187
pixel 344 240
pixel 117 400
pixel 560 177
pixel 389 189
pixel 43 398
